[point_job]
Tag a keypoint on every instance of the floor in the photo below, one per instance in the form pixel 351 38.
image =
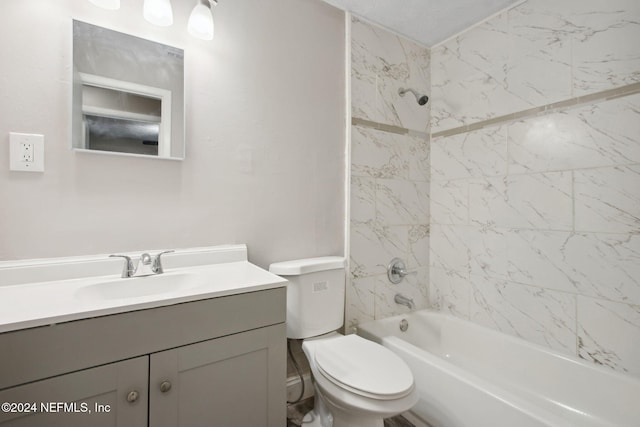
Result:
pixel 296 412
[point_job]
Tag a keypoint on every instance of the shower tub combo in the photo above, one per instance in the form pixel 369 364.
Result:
pixel 467 375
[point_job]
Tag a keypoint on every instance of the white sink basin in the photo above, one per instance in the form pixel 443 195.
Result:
pixel 138 286
pixel 44 292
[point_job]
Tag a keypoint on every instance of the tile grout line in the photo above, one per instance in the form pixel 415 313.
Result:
pixel 576 330
pixel 605 95
pixel 573 293
pixel 573 200
pixel 535 172
pixel 355 121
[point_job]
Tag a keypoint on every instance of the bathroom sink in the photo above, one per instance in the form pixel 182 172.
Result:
pixel 138 286
pixel 46 292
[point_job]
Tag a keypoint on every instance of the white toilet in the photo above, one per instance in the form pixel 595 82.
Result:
pixel 357 382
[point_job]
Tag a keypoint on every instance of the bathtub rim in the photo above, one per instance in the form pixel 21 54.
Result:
pixel 385 329
pixel 364 327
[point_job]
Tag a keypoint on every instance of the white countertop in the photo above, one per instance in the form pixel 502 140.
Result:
pixel 45 303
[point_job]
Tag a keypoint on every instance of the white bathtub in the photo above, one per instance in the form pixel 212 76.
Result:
pixel 468 375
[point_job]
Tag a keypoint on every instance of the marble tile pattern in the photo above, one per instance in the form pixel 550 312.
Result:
pixel 390 174
pixel 389 218
pixel 596 342
pixel 536 53
pixel 382 63
pixel 535 229
pixel 543 316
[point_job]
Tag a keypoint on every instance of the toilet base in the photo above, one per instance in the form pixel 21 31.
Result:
pixel 312 419
pixel 320 416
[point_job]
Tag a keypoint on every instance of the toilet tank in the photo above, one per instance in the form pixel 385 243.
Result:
pixel 315 295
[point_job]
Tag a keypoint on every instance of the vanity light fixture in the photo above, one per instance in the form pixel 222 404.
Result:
pixel 201 20
pixel 107 4
pixel 158 12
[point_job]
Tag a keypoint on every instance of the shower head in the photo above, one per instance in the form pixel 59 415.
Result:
pixel 421 99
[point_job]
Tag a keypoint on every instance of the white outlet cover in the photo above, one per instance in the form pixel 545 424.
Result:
pixel 16 162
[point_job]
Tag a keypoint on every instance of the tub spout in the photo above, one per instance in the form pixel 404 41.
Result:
pixel 402 300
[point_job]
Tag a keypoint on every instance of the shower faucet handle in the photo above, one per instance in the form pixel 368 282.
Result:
pixel 396 271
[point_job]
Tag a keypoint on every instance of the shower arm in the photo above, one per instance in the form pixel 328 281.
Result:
pixel 420 99
pixel 403 91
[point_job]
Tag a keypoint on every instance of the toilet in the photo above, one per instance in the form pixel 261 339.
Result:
pixel 357 383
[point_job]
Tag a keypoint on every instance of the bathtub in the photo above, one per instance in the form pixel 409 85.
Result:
pixel 467 375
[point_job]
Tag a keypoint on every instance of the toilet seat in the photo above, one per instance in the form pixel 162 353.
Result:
pixel 364 368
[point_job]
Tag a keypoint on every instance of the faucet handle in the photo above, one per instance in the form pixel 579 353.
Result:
pixel 127 270
pixel 404 272
pixel 157 263
pixel 396 271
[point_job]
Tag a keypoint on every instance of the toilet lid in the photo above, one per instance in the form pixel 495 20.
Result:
pixel 364 367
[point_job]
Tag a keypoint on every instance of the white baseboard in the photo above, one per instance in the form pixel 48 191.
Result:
pixel 294 386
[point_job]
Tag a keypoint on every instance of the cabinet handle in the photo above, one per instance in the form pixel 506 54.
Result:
pixel 165 386
pixel 132 396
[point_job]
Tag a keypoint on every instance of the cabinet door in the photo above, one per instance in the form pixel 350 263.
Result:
pixel 233 381
pixel 94 397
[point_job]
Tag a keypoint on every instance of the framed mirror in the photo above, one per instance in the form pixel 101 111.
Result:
pixel 128 94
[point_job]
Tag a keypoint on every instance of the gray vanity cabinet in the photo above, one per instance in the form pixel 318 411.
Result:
pixel 95 397
pixel 223 382
pixel 218 362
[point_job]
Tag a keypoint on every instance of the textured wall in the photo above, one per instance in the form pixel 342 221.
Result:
pixel 535 217
pixel 265 136
pixel 389 172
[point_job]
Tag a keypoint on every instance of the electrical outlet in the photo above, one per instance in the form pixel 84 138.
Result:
pixel 26 152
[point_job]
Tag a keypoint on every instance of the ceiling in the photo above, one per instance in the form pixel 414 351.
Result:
pixel 427 22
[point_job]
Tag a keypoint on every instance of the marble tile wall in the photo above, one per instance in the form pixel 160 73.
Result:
pixel 535 222
pixel 537 53
pixel 389 173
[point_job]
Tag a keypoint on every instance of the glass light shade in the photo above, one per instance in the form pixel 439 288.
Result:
pixel 201 22
pixel 158 12
pixel 107 4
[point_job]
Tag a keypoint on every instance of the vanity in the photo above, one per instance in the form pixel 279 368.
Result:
pixel 201 344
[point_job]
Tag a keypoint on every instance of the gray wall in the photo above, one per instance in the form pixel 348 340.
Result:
pixel 265 136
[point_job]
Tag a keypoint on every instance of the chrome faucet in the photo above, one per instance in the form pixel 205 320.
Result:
pixel 402 300
pixel 147 265
pixel 144 266
pixel 396 271
pixel 128 269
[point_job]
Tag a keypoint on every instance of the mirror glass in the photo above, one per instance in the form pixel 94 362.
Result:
pixel 128 94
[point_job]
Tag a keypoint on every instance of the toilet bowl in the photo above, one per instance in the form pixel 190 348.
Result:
pixel 359 382
pixel 356 382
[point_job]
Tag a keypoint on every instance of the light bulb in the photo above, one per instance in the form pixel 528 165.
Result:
pixel 201 22
pixel 158 12
pixel 107 4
